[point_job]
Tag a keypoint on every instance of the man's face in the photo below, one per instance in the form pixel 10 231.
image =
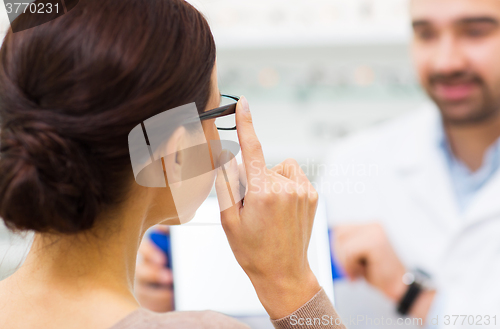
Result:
pixel 456 49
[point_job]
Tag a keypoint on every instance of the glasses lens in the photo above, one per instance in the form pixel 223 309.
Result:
pixel 228 121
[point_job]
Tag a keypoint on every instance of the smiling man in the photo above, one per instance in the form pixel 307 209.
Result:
pixel 456 48
pixel 433 205
pixel 456 51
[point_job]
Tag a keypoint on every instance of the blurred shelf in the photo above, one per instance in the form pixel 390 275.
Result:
pixel 234 39
pixel 305 23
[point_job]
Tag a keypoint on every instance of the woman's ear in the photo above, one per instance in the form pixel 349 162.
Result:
pixel 175 158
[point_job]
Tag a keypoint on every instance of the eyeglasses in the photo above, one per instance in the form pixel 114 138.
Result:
pixel 224 114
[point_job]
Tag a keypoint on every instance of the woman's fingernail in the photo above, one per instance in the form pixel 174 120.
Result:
pixel 244 103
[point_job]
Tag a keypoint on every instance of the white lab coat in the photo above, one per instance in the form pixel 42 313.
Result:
pixel 396 174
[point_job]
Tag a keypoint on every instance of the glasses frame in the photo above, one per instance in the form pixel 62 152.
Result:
pixel 221 111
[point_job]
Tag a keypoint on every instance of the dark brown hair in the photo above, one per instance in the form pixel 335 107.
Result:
pixel 72 89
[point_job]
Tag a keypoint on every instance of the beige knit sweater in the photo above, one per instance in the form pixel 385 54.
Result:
pixel 316 313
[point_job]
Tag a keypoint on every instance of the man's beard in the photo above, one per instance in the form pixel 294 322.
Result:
pixel 477 110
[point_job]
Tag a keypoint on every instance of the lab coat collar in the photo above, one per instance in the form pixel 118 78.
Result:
pixel 421 164
pixel 486 203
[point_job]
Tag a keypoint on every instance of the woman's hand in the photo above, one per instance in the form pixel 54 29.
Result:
pixel 270 234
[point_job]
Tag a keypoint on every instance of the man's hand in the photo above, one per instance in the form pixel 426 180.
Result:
pixel 153 284
pixel 365 251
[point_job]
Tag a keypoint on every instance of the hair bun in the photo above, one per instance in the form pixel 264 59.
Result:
pixel 72 89
pixel 44 182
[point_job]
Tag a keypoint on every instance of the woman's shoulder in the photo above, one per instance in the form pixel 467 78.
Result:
pixel 145 319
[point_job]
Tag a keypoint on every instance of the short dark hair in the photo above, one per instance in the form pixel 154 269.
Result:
pixel 72 89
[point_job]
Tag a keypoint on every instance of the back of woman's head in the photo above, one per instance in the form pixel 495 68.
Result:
pixel 73 88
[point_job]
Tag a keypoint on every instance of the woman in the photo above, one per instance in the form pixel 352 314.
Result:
pixel 71 90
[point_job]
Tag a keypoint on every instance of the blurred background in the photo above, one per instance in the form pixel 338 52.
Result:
pixel 314 71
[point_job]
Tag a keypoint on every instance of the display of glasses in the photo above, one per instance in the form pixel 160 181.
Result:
pixel 320 74
pixel 323 82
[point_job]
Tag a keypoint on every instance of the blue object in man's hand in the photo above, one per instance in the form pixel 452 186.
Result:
pixel 162 240
pixel 337 271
